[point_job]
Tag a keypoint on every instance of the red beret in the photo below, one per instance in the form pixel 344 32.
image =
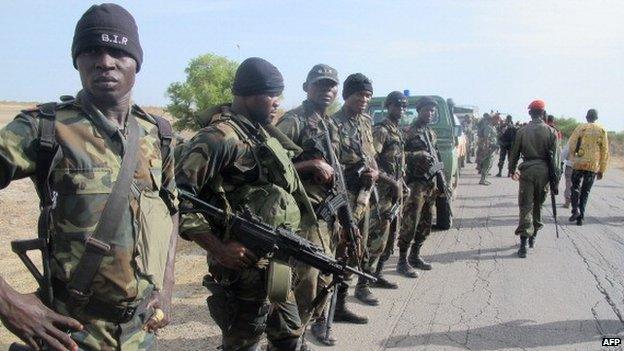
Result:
pixel 537 105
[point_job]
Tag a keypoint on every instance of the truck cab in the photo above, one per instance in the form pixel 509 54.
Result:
pixel 448 133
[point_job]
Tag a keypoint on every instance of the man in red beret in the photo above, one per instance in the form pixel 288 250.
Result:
pixel 537 143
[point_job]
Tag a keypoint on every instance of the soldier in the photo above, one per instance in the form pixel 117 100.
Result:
pixel 480 139
pixel 357 154
pixel 468 129
pixel 589 152
pixel 235 164
pixel 488 147
pixel 505 141
pixel 389 144
pixel 104 171
pixel 316 140
pixel 417 213
pixel 537 143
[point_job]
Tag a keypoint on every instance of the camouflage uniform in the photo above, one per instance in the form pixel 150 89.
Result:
pixel 417 213
pixel 304 127
pixel 534 141
pixel 225 166
pixel 92 149
pixel 489 145
pixel 356 150
pixel 389 144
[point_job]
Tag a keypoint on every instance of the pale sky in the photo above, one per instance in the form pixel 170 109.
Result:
pixel 493 54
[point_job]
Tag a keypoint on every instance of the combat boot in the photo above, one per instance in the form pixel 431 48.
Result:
pixel 579 220
pixel 382 282
pixel 500 172
pixel 522 252
pixel 416 261
pixel 343 314
pixel 532 240
pixel 286 344
pixel 318 331
pixel 364 293
pixel 574 216
pixel 403 267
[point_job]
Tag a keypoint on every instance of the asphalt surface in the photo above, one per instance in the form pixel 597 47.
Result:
pixel 566 295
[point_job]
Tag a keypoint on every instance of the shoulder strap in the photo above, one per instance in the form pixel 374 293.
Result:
pixel 165 134
pixel 98 244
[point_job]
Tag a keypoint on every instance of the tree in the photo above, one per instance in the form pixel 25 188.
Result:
pixel 566 125
pixel 208 83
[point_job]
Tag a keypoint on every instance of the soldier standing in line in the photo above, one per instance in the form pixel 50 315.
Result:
pixel 310 128
pixel 505 140
pixel 489 145
pixel 389 144
pixel 537 143
pixel 589 151
pixel 235 164
pixel 480 140
pixel 357 154
pixel 104 172
pixel 468 128
pixel 420 142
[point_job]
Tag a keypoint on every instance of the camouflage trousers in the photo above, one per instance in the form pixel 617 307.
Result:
pixel 380 228
pixel 308 280
pixel 531 197
pixel 239 306
pixel 417 214
pixel 486 164
pixel 361 216
pixel 100 335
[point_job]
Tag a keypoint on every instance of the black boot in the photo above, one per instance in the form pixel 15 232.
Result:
pixel 416 261
pixel 318 331
pixel 532 240
pixel 579 220
pixel 522 252
pixel 403 267
pixel 364 293
pixel 382 282
pixel 286 344
pixel 574 215
pixel 500 172
pixel 343 314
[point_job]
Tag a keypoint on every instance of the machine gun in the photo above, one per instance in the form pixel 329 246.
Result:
pixel 553 182
pixel 439 173
pixel 277 243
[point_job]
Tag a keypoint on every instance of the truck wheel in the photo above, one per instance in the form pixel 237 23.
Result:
pixel 444 219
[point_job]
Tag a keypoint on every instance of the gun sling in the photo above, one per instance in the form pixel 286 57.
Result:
pixel 98 244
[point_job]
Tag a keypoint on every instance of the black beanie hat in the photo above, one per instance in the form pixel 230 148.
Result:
pixel 256 76
pixel 107 25
pixel 354 83
pixel 395 97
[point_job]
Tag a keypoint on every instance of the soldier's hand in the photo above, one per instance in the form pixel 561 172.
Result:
pixel 599 175
pixel 369 177
pixel 323 173
pixel 28 318
pixel 515 176
pixel 234 255
pixel 161 303
pixel 347 234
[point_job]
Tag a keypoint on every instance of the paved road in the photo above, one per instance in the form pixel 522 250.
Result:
pixel 566 295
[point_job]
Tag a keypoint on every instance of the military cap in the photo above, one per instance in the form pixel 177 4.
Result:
pixel 395 97
pixel 321 72
pixel 425 101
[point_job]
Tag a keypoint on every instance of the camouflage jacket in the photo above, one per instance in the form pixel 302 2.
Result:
pixel 418 157
pixel 223 165
pixel 356 145
pixel 389 144
pixel 92 149
pixel 489 139
pixel 303 126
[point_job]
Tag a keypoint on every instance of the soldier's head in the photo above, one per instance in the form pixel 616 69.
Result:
pixel 426 108
pixel 357 92
pixel 321 85
pixel 396 103
pixel 257 88
pixel 106 52
pixel 509 119
pixel 537 109
pixel 592 115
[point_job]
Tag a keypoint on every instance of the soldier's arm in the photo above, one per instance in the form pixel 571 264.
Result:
pixel 289 125
pixel 24 314
pixel 210 151
pixel 514 156
pixel 380 135
pixel 18 149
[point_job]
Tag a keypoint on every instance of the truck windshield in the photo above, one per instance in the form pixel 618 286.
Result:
pixel 378 114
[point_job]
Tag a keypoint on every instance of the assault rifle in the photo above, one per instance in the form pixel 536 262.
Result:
pixel 439 173
pixel 277 243
pixel 553 182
